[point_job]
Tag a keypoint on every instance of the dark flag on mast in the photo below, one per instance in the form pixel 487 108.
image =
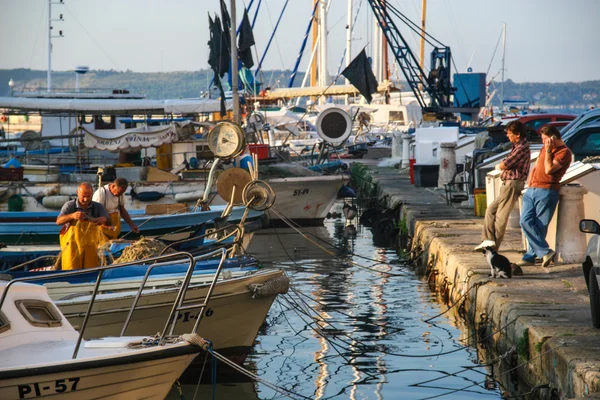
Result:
pixel 218 58
pixel 245 42
pixel 361 76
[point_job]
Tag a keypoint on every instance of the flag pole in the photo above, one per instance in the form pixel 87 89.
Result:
pixel 234 65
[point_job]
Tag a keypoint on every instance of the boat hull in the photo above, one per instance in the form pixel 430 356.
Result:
pixel 150 377
pixel 40 227
pixel 305 200
pixel 231 307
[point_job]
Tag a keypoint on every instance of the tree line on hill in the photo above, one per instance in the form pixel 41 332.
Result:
pixel 185 84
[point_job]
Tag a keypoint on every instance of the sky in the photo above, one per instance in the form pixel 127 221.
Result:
pixel 546 40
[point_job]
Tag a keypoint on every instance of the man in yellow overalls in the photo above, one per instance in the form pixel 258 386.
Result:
pixel 111 197
pixel 81 234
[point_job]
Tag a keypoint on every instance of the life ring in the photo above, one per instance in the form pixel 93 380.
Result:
pixel 3 118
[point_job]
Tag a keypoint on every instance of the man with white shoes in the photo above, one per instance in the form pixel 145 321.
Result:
pixel 515 169
pixel 541 198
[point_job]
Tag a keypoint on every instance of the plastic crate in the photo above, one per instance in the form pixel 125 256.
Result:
pixel 261 150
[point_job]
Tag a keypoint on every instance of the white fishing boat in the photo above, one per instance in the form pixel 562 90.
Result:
pixel 236 309
pixel 43 356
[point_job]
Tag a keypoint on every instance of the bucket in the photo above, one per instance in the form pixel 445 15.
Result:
pixel 411 169
pixel 480 202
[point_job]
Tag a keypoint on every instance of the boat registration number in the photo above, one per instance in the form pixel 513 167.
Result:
pixel 300 192
pixel 37 389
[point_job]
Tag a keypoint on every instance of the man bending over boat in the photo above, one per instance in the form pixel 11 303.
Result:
pixel 81 234
pixel 111 197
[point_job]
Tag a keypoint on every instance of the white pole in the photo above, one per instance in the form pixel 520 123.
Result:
pixel 503 53
pixel 348 42
pixel 49 78
pixel 234 66
pixel 323 75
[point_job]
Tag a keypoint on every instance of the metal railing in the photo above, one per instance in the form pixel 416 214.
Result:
pixel 177 304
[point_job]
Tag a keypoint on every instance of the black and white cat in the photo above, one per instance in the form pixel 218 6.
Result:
pixel 499 265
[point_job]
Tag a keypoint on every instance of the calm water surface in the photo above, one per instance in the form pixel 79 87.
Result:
pixel 347 332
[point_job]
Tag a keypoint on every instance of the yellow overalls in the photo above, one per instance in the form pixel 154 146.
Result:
pixel 79 245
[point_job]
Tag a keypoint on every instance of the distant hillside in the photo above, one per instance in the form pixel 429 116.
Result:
pixel 570 95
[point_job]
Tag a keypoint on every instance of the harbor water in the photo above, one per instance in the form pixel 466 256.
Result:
pixel 357 323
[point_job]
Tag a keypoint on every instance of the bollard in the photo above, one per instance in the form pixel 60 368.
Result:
pixel 397 144
pixel 570 242
pixel 447 163
pixel 406 138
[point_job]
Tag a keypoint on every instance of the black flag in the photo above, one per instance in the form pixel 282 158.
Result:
pixel 245 42
pixel 361 76
pixel 218 59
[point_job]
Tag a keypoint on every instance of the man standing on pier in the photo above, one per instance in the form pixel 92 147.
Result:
pixel 515 168
pixel 541 197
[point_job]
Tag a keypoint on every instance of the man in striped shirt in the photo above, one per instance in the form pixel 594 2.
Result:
pixel 515 169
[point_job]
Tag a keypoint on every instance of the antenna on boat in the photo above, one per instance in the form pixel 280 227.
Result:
pixel 50 36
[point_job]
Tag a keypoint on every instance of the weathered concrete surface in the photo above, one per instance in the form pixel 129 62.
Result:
pixel 545 312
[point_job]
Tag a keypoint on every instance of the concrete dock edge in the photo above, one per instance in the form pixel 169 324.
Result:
pixel 545 313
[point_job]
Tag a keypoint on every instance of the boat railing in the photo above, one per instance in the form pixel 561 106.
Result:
pixel 178 304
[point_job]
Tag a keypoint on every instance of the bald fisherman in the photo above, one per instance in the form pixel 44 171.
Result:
pixel 81 234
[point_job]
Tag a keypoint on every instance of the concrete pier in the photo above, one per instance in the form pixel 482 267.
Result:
pixel 545 314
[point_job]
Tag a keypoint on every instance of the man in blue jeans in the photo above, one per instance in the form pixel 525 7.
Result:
pixel 541 198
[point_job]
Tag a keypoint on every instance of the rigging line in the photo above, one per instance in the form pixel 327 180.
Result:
pixel 90 36
pixel 453 24
pixel 271 38
pixel 414 27
pixel 341 249
pixel 303 46
pixel 285 219
pixel 351 31
pixel 333 345
pixel 459 299
pixel 298 292
pixel 501 374
pixel 494 54
pixel 462 347
pixel 37 34
pixel 286 392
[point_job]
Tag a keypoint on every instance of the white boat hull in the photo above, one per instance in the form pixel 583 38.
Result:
pixel 151 379
pixel 306 200
pixel 230 309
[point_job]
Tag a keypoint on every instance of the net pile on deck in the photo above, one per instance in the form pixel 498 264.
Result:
pixel 136 251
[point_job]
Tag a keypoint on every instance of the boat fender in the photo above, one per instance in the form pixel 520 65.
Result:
pixel 189 196
pixel 55 202
pixel 195 339
pixel 277 285
pixel 148 196
pixel 6 277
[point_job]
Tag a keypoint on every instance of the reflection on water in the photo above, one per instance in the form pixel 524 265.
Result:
pixel 348 332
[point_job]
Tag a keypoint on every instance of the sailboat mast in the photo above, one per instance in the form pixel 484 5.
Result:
pixel 503 54
pixel 49 77
pixel 234 65
pixel 315 36
pixel 423 17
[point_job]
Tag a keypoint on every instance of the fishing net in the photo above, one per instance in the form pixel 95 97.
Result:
pixel 135 251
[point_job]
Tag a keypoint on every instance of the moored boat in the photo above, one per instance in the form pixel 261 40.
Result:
pixel 42 355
